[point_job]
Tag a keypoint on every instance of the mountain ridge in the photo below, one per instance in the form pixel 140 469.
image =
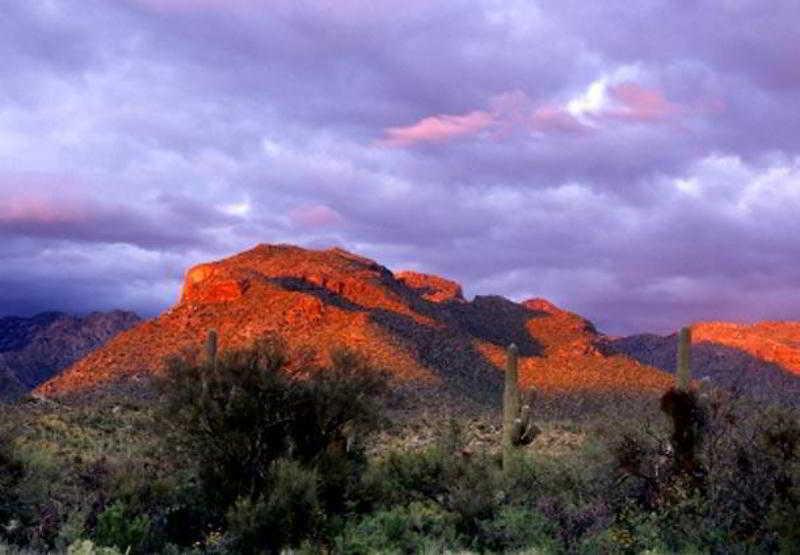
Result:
pixel 417 325
pixel 34 349
pixel 761 358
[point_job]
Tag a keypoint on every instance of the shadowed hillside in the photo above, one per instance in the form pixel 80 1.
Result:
pixel 418 327
pixel 33 349
pixel 762 359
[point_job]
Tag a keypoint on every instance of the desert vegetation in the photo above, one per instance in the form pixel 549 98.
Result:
pixel 257 451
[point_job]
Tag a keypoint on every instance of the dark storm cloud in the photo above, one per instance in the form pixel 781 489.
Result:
pixel 636 164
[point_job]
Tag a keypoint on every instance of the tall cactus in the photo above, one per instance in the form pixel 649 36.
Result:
pixel 212 342
pixel 688 416
pixel 683 374
pixel 510 402
pixel 517 426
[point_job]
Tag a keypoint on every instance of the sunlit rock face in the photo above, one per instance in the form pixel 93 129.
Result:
pixel 542 305
pixel 32 350
pixel 207 284
pixel 418 327
pixel 432 288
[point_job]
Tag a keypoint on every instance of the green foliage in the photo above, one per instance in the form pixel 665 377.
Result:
pixel 238 416
pixel 86 547
pixel 520 528
pixel 289 456
pixel 12 474
pixel 284 514
pixel 400 529
pixel 253 419
pixel 118 528
pixel 486 507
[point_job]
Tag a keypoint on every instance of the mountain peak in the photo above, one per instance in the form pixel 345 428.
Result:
pixel 432 288
pixel 542 305
pixel 417 326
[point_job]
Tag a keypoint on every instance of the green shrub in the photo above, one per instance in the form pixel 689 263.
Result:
pixel 243 415
pixel 13 510
pixel 118 528
pixel 520 528
pixel 402 529
pixel 86 547
pixel 286 513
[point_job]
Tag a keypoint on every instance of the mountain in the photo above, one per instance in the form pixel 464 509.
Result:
pixel 10 386
pixel 34 349
pixel 417 326
pixel 762 359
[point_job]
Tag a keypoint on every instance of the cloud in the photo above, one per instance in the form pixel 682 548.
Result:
pixel 599 105
pixel 525 148
pixel 314 216
pixel 639 103
pixel 438 128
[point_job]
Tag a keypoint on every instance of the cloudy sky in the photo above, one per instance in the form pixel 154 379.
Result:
pixel 637 162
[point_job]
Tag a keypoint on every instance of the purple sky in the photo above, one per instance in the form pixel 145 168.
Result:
pixel 640 166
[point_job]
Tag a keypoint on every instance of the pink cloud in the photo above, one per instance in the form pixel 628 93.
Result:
pixel 316 215
pixel 514 111
pixel 39 210
pixel 438 128
pixel 638 103
pixel 556 119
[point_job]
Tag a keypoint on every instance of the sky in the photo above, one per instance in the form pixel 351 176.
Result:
pixel 636 162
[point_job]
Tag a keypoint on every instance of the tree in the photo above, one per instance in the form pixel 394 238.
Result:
pixel 242 415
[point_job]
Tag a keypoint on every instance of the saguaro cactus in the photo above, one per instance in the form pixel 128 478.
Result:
pixel 510 401
pixel 687 414
pixel 683 374
pixel 211 347
pixel 517 426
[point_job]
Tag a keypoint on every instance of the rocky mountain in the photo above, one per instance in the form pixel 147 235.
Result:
pixel 762 359
pixel 419 327
pixel 34 349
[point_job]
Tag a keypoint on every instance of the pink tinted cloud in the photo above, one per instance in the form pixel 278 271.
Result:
pixel 438 129
pixel 637 103
pixel 315 215
pixel 39 210
pixel 551 118
pixel 508 113
pixel 514 111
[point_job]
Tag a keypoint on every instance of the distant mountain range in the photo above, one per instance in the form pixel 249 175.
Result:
pixel 34 349
pixel 762 360
pixel 417 326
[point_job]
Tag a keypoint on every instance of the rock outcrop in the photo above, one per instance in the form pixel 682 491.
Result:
pixel 432 288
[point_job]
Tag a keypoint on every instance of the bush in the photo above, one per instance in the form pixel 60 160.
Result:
pixel 86 547
pixel 254 415
pixel 401 529
pixel 516 528
pixel 728 475
pixel 13 510
pixel 116 528
pixel 283 515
